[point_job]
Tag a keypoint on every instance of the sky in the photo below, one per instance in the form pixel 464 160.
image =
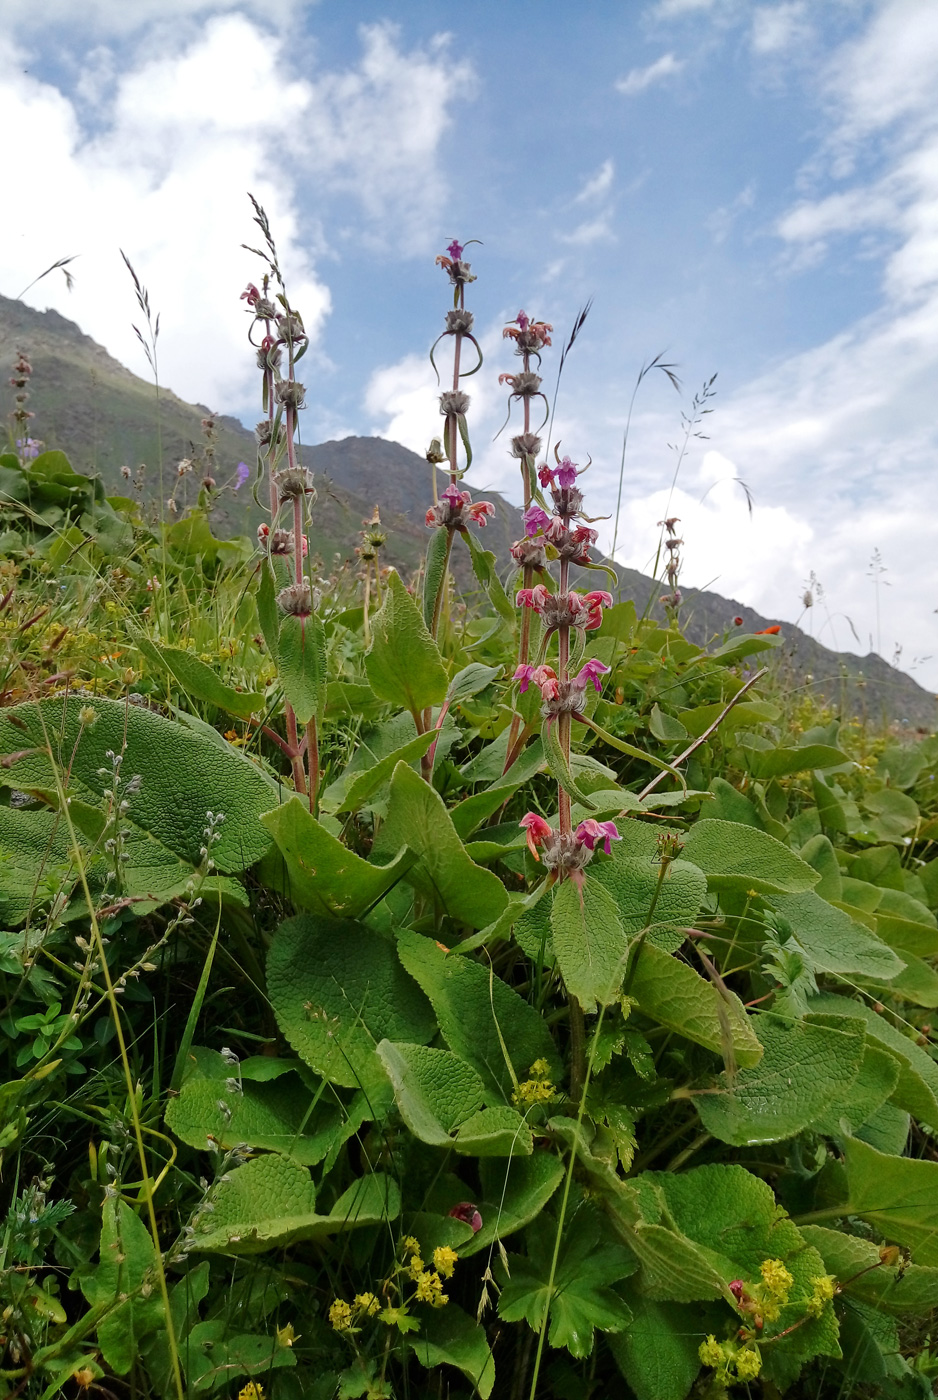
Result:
pixel 746 188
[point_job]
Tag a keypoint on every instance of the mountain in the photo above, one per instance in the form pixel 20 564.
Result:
pixel 104 417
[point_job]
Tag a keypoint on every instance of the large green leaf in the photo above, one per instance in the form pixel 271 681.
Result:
pixel 451 1337
pixel 271 1202
pixel 779 762
pixel 36 862
pixel 436 1091
pixel 657 1352
pixel 417 817
pixel 833 941
pixel 212 1357
pixel 737 857
pixel 323 875
pixel 199 679
pixel 579 1297
pixel 897 1195
pixel 514 1194
pixel 673 994
pixel 184 776
pixel 361 786
pixel 734 1217
pixel 589 942
pixel 635 885
pixel 272 1117
pixel 127 1267
pixel 856 1264
pixel 301 665
pixel 338 988
pixel 403 662
pixel 875 1083
pixel 906 924
pixel 805 1068
pixel 917 1089
pixel 480 1016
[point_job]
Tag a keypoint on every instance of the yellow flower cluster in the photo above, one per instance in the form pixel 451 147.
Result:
pixel 730 1362
pixel 822 1294
pixel 444 1260
pixel 252 1391
pixel 340 1315
pixel 430 1290
pixel 536 1089
pixel 777 1286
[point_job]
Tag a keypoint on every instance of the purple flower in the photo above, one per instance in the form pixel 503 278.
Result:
pixel 524 674
pixel 592 672
pixel 566 474
pixel 535 519
pixel 592 833
pixel 29 448
pixel 241 475
pixel 455 250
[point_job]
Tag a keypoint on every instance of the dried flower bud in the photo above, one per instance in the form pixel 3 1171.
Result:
pixel 296 600
pixel 209 483
pixel 125 473
pixel 525 383
pixel 525 445
pixel 459 322
pixel 262 431
pixel 454 401
pixel 434 453
pixel 290 326
pixel 281 542
pixel 290 393
pixel 294 481
pixel 269 355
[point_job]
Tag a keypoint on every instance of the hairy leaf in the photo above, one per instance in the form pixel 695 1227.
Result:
pixel 403 662
pixel 589 943
pixel 673 994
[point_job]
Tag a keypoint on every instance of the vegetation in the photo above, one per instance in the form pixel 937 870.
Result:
pixel 416 992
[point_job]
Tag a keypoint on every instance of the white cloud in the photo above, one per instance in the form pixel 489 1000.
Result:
pixel 673 9
pixel 777 27
pixel 639 79
pixel 591 231
pixel 162 167
pixel 119 18
pixel 598 185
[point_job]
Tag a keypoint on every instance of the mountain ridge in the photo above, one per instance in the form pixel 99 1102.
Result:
pixel 104 416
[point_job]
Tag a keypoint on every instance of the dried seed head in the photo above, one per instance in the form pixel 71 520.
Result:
pixel 525 384
pixel 269 355
pixel 290 393
pixel 290 326
pixel 281 542
pixel 454 401
pixel 295 481
pixel 525 445
pixel 296 600
pixel 459 321
pixel 434 453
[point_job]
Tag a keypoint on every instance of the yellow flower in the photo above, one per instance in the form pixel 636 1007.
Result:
pixel 539 1070
pixel 531 1091
pixel 748 1364
pixel 367 1303
pixel 777 1279
pixel 710 1352
pixel 252 1391
pixel 416 1266
pixel 444 1260
pixel 340 1315
pixel 410 1245
pixel 286 1335
pixel 430 1289
pixel 823 1292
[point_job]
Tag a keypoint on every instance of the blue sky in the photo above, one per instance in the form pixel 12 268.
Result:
pixel 749 186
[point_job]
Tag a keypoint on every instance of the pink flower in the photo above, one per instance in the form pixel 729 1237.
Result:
pixel 597 600
pixel 591 672
pixel 469 1213
pixel 250 294
pixel 545 678
pixel 479 510
pixel 455 250
pixel 538 831
pixel 532 597
pixel 262 533
pixel 524 674
pixel 566 474
pixel 522 320
pixel 536 519
pixel 591 833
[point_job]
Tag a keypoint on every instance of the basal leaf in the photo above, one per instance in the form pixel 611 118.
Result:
pixel 589 942
pixel 672 993
pixel 279 1117
pixel 917 1089
pixel 199 679
pixel 657 1352
pixel 833 941
pixel 403 662
pixel 271 1202
pixel 417 817
pixel 804 1069
pixel 451 1337
pixel 337 988
pixel 435 1090
pixel 736 857
pixel 480 1016
pixel 856 1264
pixel 633 882
pixel 897 1195
pixel 514 1194
pixel 322 874
pixel 876 1081
pixel 495 1132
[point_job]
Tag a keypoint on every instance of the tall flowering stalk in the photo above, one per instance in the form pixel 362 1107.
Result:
pixel 455 510
pixel 530 338
pixel 290 488
pixel 568 614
